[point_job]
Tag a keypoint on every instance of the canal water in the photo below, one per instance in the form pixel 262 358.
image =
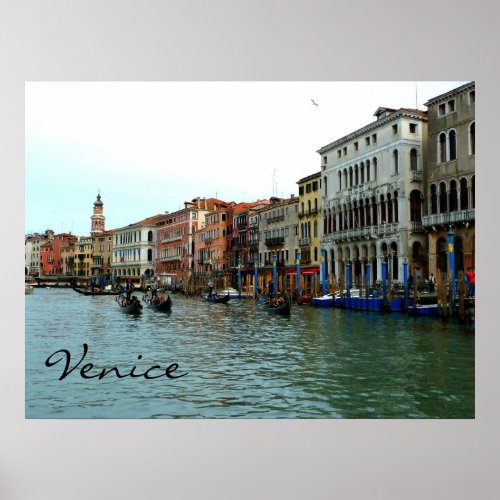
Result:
pixel 243 362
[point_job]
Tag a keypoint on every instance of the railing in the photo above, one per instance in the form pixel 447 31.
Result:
pixel 276 217
pixel 416 227
pixel 171 238
pixel 416 175
pixel 449 218
pixel 304 241
pixel 279 263
pixel 270 242
pixel 170 259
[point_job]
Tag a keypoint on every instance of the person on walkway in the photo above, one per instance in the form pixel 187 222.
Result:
pixel 432 283
pixel 471 280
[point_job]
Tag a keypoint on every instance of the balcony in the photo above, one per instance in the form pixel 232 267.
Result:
pixel 208 240
pixel 304 241
pixel 416 227
pixel 416 175
pixel 449 218
pixel 272 242
pixel 171 259
pixel 279 263
pixel 171 238
pixel 275 218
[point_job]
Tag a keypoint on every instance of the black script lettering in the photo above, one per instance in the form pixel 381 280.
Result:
pixel 65 373
pixel 170 369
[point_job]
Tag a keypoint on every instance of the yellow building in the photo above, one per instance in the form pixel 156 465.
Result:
pixel 83 256
pixel 309 233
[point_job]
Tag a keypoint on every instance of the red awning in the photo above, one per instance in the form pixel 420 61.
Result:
pixel 303 270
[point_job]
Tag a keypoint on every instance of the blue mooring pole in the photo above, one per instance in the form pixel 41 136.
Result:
pixel 405 277
pixel 348 278
pixel 239 276
pixel 255 276
pixel 451 252
pixel 367 278
pixel 384 281
pixel 323 270
pixel 298 273
pixel 275 284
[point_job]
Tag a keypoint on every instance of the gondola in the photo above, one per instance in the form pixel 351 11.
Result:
pixel 165 306
pixel 134 307
pixel 283 309
pixel 90 292
pixel 216 299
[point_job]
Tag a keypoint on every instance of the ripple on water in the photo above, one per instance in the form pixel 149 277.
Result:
pixel 245 363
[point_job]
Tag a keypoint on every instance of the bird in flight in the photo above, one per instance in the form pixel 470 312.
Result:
pixel 315 104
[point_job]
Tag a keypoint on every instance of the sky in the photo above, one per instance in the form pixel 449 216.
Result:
pixel 148 147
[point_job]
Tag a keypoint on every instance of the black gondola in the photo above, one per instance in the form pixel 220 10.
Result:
pixel 84 291
pixel 283 309
pixel 164 306
pixel 216 298
pixel 133 306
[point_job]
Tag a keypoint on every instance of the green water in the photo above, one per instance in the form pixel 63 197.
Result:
pixel 243 362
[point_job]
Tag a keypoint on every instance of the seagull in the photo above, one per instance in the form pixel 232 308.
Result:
pixel 314 103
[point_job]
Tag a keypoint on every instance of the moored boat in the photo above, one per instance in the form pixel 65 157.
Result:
pixel 86 291
pixel 283 309
pixel 324 301
pixel 219 299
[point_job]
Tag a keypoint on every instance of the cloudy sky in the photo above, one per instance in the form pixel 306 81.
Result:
pixel 150 146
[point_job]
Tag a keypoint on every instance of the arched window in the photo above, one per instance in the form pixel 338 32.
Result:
pixel 442 259
pixel 452 138
pixel 356 175
pixel 464 194
pixel 389 208
pixel 472 138
pixel 473 191
pixel 368 214
pixel 150 254
pixel 150 235
pixel 453 196
pixel 308 206
pixel 340 180
pixel 315 253
pixel 374 211
pixel 325 183
pixel 458 252
pixel 350 177
pixel 433 199
pixel 413 160
pixel 346 184
pixel 362 173
pixel 361 214
pixel 442 148
pixel 394 254
pixel 375 163
pixel 416 206
pixel 443 207
pixel 417 251
pixel 302 207
pixel 395 161
pixel 315 228
pixel 325 222
pixel 396 211
pixel 382 209
pixel 367 170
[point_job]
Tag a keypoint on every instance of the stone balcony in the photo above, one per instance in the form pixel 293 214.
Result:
pixel 171 259
pixel 271 242
pixel 449 218
pixel 171 238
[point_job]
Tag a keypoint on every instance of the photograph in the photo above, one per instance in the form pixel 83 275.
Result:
pixel 250 250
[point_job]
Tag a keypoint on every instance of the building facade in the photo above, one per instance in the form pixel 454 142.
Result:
pixel 32 246
pixel 450 181
pixel 134 249
pixel 372 198
pixel 83 256
pixel 278 236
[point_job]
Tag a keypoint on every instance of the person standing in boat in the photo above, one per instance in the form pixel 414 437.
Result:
pixel 432 283
pixel 210 285
pixel 154 289
pixel 128 289
pixel 471 280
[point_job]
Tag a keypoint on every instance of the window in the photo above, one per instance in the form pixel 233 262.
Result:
pixel 367 141
pixel 315 186
pixel 301 190
pixel 345 151
pixel 413 128
pixel 442 148
pixel 395 129
pixel 374 138
pixel 442 109
pixel 325 159
pixel 472 139
pixel 339 153
pixel 356 146
pixel 451 106
pixel 413 160
pixel 472 97
pixel 452 137
pixel 395 161
pixel 308 188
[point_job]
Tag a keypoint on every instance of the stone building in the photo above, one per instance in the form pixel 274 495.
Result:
pixel 32 246
pixel 134 249
pixel 372 197
pixel 278 235
pixel 450 198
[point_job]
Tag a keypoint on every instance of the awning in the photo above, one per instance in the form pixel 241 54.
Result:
pixel 303 270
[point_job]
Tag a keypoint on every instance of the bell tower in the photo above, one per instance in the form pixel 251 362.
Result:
pixel 98 219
